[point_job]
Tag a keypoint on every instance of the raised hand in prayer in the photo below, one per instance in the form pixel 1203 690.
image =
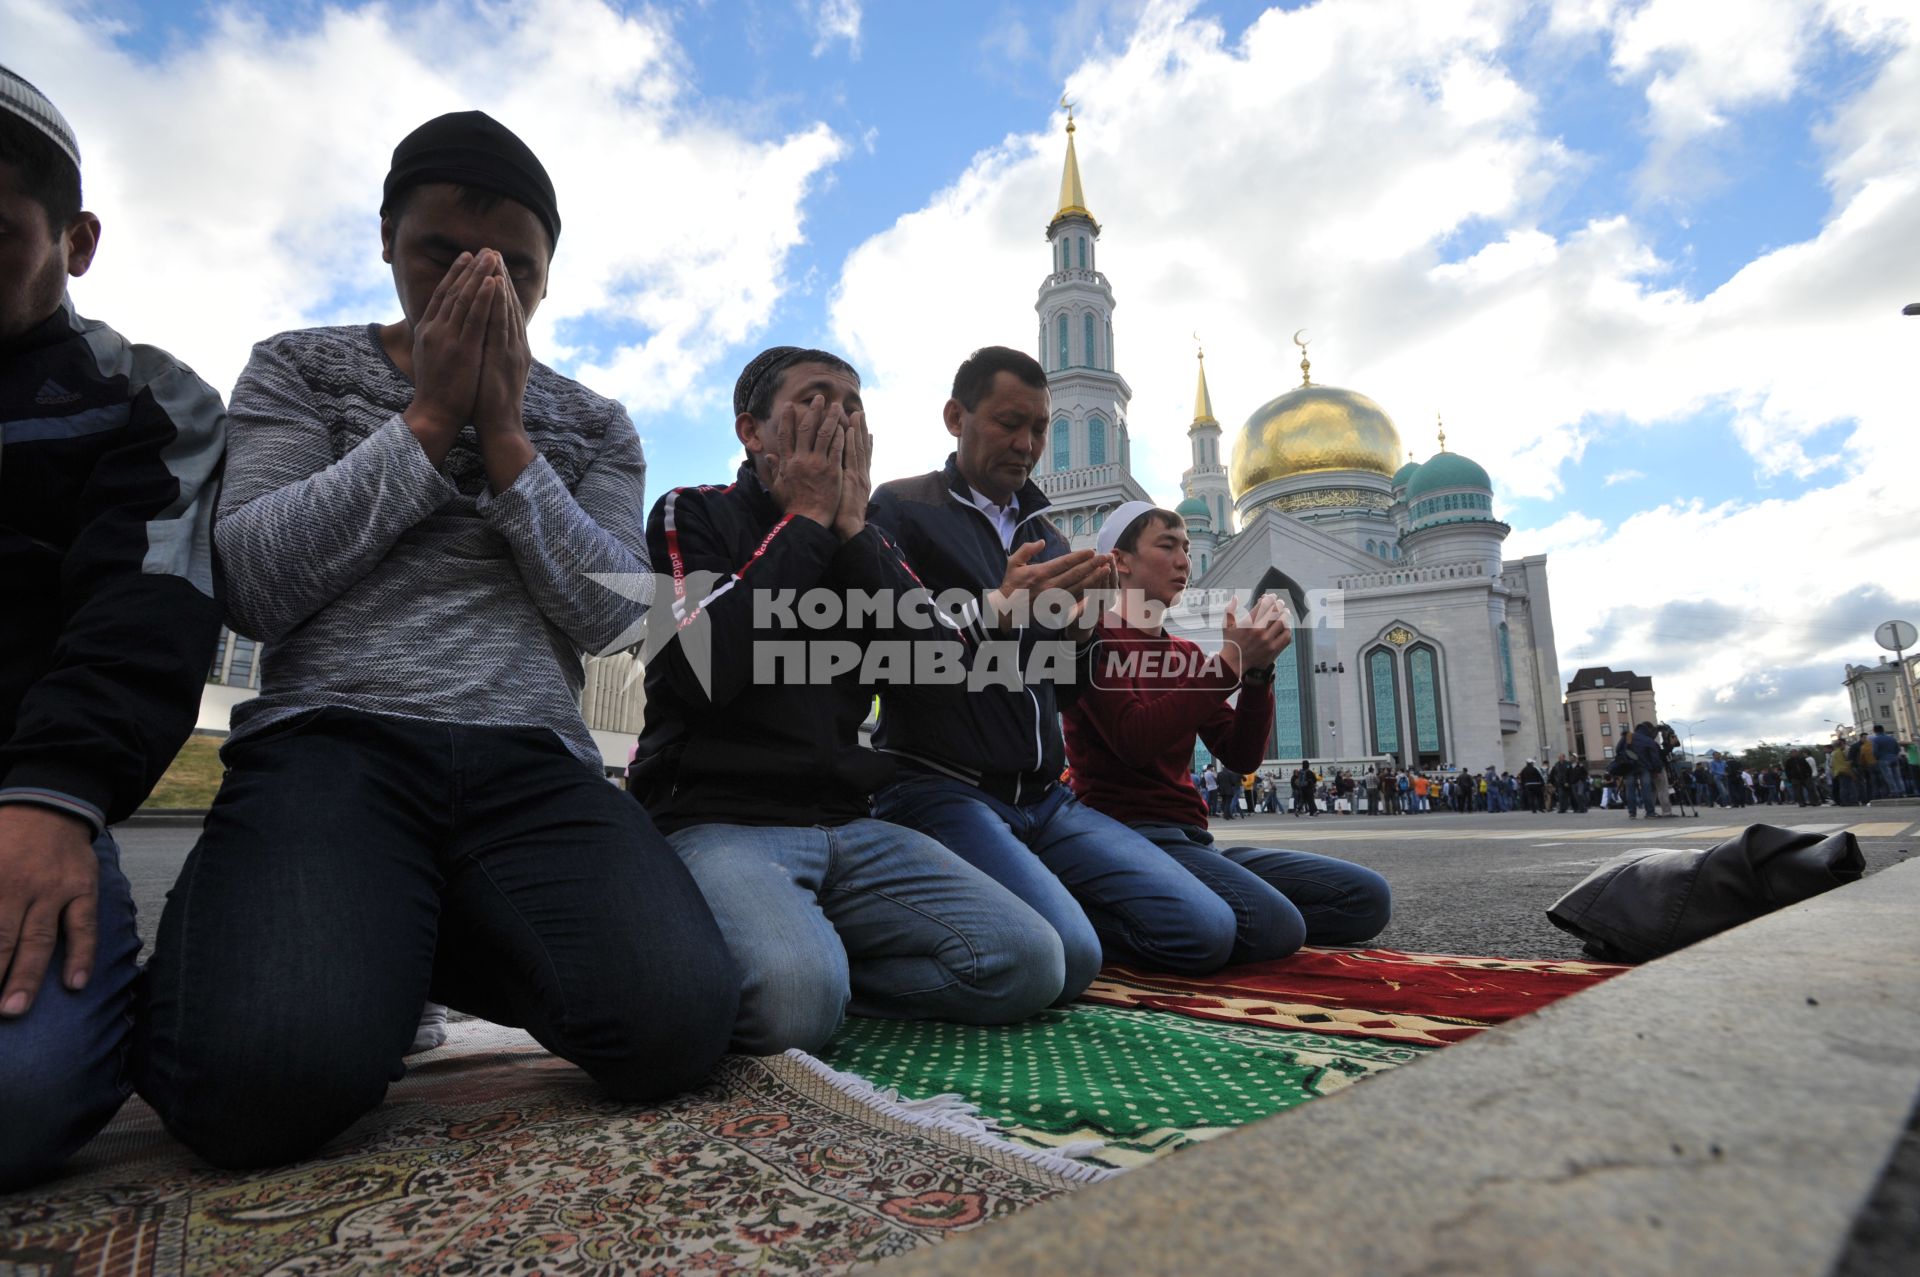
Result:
pixel 1082 575
pixel 1254 644
pixel 856 478
pixel 449 342
pixel 809 448
pixel 505 449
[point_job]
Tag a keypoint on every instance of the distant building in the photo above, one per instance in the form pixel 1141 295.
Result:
pixel 613 701
pixel 1875 694
pixel 1602 705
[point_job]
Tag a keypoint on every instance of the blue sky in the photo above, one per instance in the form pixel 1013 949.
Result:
pixel 1645 257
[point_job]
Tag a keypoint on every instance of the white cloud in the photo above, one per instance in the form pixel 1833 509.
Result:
pixel 239 176
pixel 834 21
pixel 1623 476
pixel 1320 171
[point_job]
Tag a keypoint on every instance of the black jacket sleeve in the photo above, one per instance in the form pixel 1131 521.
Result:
pixel 96 730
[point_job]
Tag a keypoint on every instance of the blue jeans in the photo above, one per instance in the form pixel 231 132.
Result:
pixel 867 915
pixel 1107 891
pixel 1280 899
pixel 1891 785
pixel 63 1068
pixel 355 866
pixel 1639 789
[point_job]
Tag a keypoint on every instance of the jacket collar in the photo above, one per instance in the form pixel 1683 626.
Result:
pixel 747 483
pixel 1030 500
pixel 51 331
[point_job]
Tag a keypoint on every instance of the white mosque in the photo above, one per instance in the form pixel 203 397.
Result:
pixel 1440 653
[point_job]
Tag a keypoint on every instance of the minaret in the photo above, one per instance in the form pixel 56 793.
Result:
pixel 1086 471
pixel 1206 479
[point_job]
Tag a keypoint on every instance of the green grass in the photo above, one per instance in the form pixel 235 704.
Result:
pixel 193 776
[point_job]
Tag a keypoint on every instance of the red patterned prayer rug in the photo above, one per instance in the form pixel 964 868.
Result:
pixel 1425 998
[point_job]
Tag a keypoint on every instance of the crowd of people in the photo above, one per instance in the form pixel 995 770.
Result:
pixel 1647 776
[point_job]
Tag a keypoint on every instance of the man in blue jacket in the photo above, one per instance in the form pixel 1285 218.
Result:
pixel 110 459
pixel 980 760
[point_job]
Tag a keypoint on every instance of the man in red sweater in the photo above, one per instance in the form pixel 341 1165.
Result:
pixel 1130 739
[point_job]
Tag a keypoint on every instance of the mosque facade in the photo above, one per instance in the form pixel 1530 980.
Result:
pixel 1422 644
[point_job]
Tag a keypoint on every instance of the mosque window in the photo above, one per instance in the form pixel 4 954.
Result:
pixel 1506 662
pixel 1372 548
pixel 1082 241
pixel 1386 702
pixel 1062 327
pixel 1289 734
pixel 1062 445
pixel 1423 678
pixel 1093 359
pixel 1079 525
pixel 1096 441
pixel 1220 515
pixel 1109 345
pixel 1099 518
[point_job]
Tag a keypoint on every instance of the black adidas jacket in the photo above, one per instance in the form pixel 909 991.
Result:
pixel 1002 735
pixel 110 458
pixel 734 732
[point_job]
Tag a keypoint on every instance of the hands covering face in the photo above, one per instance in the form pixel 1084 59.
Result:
pixel 470 363
pixel 821 463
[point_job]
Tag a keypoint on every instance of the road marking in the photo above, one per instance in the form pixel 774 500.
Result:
pixel 1879 829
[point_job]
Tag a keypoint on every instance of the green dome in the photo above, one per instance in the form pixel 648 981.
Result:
pixel 1405 473
pixel 1447 470
pixel 1194 508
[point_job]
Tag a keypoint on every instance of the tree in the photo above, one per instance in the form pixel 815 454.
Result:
pixel 1765 754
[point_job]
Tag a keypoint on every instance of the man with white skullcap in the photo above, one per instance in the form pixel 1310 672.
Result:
pixel 110 458
pixel 1130 738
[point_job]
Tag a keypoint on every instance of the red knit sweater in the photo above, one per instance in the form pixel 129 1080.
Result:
pixel 1130 734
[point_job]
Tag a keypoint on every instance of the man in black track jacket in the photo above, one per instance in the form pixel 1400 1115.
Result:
pixel 980 762
pixel 768 678
pixel 110 455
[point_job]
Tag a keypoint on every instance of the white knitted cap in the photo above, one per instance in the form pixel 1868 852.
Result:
pixel 31 105
pixel 1117 523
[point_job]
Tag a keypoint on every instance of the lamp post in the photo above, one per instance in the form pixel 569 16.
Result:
pixel 1690 726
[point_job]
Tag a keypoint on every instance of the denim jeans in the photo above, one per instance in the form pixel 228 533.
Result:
pixel 1639 791
pixel 354 867
pixel 1280 899
pixel 1107 891
pixel 867 915
pixel 63 1071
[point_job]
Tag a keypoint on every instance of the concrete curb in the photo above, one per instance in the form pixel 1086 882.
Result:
pixel 1727 1109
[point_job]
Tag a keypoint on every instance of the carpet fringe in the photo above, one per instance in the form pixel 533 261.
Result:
pixel 952 1112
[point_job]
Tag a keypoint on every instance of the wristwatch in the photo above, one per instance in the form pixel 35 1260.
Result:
pixel 1259 677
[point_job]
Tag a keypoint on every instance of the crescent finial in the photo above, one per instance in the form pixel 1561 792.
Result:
pixel 1306 377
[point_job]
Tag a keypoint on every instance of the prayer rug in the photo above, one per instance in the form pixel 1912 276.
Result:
pixel 1428 999
pixel 1115 1081
pixel 494 1157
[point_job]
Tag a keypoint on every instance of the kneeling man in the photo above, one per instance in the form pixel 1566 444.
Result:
pixel 753 765
pixel 1130 738
pixel 416 521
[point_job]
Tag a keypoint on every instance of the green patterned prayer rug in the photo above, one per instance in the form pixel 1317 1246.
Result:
pixel 1140 1083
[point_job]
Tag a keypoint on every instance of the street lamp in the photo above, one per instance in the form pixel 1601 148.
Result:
pixel 1689 726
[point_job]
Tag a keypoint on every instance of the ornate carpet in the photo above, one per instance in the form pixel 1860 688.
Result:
pixel 493 1157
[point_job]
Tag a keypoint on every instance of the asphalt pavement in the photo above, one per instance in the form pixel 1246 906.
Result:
pixel 1475 884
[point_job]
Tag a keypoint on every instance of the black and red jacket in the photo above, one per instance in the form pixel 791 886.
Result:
pixel 731 735
pixel 110 459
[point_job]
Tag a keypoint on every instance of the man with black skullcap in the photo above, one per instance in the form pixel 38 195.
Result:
pixel 414 520
pixel 825 909
pixel 109 469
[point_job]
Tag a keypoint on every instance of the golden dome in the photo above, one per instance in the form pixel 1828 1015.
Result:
pixel 1311 429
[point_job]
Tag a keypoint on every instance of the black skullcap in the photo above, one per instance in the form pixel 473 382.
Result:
pixel 471 148
pixel 761 377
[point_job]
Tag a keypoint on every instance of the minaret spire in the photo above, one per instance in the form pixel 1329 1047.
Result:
pixel 1442 426
pixel 1306 369
pixel 1202 401
pixel 1073 199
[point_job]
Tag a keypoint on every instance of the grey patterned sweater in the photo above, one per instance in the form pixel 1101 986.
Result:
pixel 381 583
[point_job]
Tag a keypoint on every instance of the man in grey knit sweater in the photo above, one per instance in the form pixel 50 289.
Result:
pixel 413 520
